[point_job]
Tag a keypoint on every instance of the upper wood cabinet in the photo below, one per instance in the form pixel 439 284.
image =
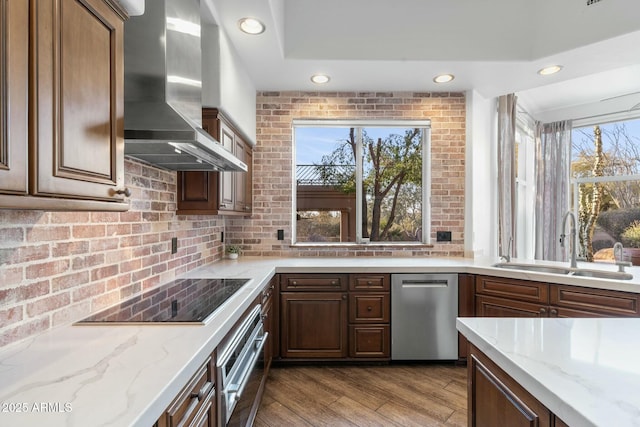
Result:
pixel 14 79
pixel 76 105
pixel 213 193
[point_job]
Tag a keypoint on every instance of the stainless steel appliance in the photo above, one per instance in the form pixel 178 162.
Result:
pixel 179 301
pixel 240 370
pixel 424 308
pixel 163 90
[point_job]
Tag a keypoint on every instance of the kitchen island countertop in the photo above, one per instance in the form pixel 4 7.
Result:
pixel 113 375
pixel 585 371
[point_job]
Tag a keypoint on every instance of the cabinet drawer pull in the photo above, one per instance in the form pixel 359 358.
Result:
pixel 369 283
pixel 334 283
pixel 202 392
pixel 126 192
pixel 344 296
pixel 369 308
pixel 294 283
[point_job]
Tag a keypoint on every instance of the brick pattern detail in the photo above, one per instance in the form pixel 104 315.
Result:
pixel 58 267
pixel 272 167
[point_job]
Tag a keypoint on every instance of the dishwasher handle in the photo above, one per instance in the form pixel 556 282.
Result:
pixel 425 283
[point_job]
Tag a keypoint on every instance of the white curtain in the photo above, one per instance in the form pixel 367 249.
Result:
pixel 507 175
pixel 553 153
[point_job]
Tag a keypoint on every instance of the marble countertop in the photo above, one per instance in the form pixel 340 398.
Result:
pixel 63 377
pixel 584 370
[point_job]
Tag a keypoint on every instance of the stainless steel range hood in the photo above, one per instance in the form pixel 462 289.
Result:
pixel 163 90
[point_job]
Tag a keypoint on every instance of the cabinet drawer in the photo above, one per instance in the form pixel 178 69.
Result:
pixel 512 288
pixel 613 303
pixel 192 397
pixel 375 282
pixel 313 282
pixel 505 307
pixel 372 341
pixel 369 307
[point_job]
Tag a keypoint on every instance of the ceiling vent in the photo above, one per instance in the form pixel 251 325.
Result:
pixel 590 2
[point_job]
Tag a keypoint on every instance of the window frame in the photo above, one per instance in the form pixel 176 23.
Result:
pixel 359 125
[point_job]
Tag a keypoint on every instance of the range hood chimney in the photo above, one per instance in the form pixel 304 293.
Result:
pixel 163 91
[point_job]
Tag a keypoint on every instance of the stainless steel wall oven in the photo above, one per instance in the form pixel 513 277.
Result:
pixel 240 370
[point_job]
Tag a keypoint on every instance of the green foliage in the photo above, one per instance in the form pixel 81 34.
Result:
pixel 614 222
pixel 631 235
pixel 233 249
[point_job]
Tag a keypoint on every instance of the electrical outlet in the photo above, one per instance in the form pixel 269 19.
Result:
pixel 443 236
pixel 280 234
pixel 174 245
pixel 222 237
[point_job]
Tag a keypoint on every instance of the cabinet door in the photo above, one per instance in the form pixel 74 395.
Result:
pixel 313 324
pixel 504 307
pixel 197 193
pixel 240 178
pixel 227 179
pixel 14 68
pixel 77 141
pixel 495 399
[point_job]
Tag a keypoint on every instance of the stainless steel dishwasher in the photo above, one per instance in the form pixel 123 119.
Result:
pixel 424 308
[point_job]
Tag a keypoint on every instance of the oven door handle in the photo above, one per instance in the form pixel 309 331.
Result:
pixel 238 389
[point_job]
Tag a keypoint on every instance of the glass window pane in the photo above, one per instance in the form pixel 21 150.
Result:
pixel 325 184
pixel 608 198
pixel 392 184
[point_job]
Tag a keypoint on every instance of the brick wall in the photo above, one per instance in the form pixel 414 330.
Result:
pixel 57 267
pixel 273 166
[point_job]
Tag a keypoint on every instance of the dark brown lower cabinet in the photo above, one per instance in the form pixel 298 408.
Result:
pixel 496 399
pixel 314 324
pixel 369 341
pixel 195 405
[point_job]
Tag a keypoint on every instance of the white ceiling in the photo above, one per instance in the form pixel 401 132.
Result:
pixel 491 46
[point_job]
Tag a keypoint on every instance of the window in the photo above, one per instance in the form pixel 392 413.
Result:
pixel 357 182
pixel 605 172
pixel 525 186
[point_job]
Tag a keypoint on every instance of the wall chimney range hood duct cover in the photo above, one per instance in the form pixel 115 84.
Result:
pixel 163 91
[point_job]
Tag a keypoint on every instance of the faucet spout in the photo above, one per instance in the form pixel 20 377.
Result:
pixel 572 236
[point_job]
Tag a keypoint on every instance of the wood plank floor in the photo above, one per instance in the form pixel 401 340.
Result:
pixel 392 395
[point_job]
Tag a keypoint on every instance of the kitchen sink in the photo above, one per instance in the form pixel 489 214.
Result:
pixel 533 267
pixel 578 272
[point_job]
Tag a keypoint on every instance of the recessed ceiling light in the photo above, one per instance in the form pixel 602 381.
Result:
pixel 251 26
pixel 552 69
pixel 443 78
pixel 320 79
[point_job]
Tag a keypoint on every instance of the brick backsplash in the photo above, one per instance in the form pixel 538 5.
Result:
pixel 58 267
pixel 273 166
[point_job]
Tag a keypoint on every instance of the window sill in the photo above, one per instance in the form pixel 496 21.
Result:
pixel 401 245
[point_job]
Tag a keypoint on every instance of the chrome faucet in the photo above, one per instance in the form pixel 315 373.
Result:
pixel 572 237
pixel 507 256
pixel 618 256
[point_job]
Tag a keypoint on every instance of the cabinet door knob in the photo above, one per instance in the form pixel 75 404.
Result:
pixel 344 296
pixel 333 282
pixel 554 312
pixel 125 191
pixel 543 311
pixel 369 308
pixel 294 283
pixel 369 283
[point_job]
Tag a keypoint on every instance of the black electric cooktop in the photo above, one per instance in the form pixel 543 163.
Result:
pixel 180 301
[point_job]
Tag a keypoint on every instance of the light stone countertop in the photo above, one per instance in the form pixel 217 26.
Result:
pixel 127 375
pixel 585 371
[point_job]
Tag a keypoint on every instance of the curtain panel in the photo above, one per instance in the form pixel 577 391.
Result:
pixel 553 160
pixel 507 175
